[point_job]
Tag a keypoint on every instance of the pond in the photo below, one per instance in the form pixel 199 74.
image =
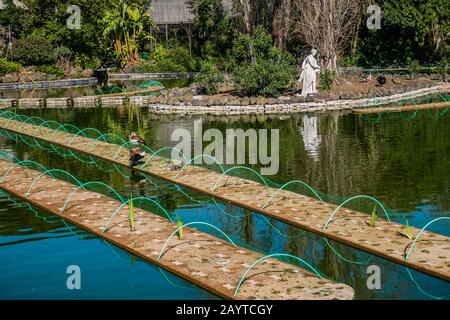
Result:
pixel 73 92
pixel 403 160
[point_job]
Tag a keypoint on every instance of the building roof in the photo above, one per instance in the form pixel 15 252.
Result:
pixel 175 11
pixel 170 12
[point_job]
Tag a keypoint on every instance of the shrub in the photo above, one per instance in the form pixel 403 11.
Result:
pixel 208 78
pixel 413 67
pixel 258 68
pixel 33 50
pixel 8 66
pixel 84 61
pixel 175 59
pixel 52 69
pixel 443 68
pixel 63 52
pixel 326 79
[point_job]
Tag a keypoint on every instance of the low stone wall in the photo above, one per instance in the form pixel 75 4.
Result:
pixel 49 84
pixel 150 76
pixel 289 107
pixel 257 106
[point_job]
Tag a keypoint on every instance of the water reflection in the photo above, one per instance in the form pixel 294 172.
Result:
pixel 311 137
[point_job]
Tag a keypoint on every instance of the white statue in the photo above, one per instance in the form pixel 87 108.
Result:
pixel 308 75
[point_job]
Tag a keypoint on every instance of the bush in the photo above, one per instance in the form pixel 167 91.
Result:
pixel 52 69
pixel 208 78
pixel 175 59
pixel 258 68
pixel 443 68
pixel 413 67
pixel 84 61
pixel 8 66
pixel 33 50
pixel 326 79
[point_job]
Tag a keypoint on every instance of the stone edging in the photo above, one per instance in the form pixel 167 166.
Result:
pixel 150 76
pixel 157 108
pixel 298 107
pixel 49 84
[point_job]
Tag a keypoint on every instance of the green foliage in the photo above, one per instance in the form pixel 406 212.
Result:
pixel 407 231
pixel 180 228
pixel 327 78
pixel 8 66
pixel 411 30
pixel 258 68
pixel 83 61
pixel 125 26
pixel 208 78
pixel 213 28
pixel 52 69
pixel 173 59
pixel 33 50
pixel 373 219
pixel 443 68
pixel 63 52
pixel 413 67
pixel 131 213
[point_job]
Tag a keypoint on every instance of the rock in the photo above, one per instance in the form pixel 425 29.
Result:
pixel 38 76
pixel 86 73
pixel 271 101
pixel 245 101
pixel 10 77
pixel 298 99
pixel 253 100
pixel 223 100
pixel 396 81
pixel 197 98
pixel 234 102
pixel 261 101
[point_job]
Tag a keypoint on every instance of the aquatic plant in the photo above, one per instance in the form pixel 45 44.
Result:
pixel 180 228
pixel 407 231
pixel 373 219
pixel 131 216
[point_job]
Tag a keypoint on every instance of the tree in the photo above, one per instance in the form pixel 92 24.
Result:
pixel 327 25
pixel 212 26
pixel 125 24
pixel 427 19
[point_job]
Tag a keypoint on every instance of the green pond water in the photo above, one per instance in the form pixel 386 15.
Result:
pixel 403 160
pixel 73 92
